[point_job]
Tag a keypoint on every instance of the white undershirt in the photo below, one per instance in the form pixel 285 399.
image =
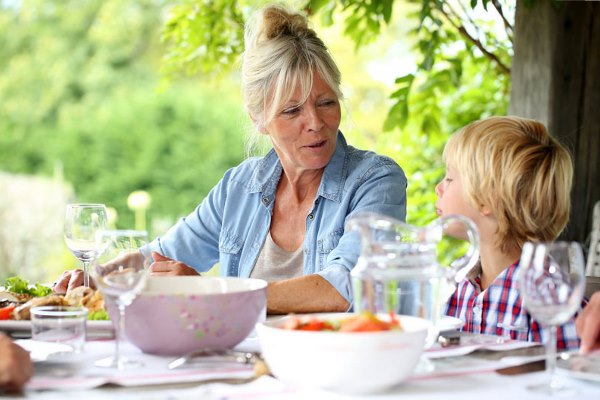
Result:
pixel 275 263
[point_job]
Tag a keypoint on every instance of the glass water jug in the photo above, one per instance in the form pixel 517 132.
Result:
pixel 398 271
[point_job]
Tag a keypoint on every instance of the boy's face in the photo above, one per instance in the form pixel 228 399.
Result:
pixel 451 198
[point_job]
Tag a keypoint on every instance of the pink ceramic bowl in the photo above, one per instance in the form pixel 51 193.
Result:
pixel 176 315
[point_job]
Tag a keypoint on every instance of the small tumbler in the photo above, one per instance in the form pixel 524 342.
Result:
pixel 60 324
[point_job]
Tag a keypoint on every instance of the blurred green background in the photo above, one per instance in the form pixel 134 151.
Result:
pixel 101 98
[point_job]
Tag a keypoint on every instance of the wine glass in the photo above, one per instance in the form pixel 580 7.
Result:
pixel 120 271
pixel 551 284
pixel 82 222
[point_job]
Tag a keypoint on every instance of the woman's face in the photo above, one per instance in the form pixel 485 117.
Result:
pixel 304 135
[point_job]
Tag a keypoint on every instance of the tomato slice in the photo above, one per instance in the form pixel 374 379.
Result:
pixel 315 325
pixel 5 312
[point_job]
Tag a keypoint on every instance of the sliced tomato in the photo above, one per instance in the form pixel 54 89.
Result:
pixel 315 325
pixel 5 312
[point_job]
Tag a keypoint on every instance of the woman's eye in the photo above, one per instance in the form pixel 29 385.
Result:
pixel 327 103
pixel 448 180
pixel 291 111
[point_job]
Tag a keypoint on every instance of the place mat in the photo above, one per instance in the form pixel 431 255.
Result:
pixel 58 369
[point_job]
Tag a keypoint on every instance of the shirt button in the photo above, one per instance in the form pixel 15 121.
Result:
pixel 311 216
pixel 476 309
pixel 265 200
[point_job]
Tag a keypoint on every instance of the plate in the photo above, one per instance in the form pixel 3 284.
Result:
pixel 448 323
pixel 582 367
pixel 95 329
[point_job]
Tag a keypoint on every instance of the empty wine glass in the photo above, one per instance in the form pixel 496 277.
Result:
pixel 119 271
pixel 551 284
pixel 82 222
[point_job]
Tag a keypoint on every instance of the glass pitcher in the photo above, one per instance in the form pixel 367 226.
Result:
pixel 398 271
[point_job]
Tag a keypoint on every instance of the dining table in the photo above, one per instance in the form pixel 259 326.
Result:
pixel 459 366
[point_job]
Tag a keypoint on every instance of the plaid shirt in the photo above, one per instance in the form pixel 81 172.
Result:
pixel 498 310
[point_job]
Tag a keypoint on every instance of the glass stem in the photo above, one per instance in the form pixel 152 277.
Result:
pixel 120 332
pixel 86 274
pixel 551 356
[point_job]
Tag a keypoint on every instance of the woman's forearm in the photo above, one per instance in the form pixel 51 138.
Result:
pixel 306 294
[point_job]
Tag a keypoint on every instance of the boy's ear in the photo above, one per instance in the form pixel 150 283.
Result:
pixel 485 210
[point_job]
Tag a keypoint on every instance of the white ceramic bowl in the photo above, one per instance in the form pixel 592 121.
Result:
pixel 344 362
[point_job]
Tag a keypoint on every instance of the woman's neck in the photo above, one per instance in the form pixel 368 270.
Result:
pixel 300 187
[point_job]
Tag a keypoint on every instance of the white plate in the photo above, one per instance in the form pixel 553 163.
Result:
pixel 581 367
pixel 23 328
pixel 448 323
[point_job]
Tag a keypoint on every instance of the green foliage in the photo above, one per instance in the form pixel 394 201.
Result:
pixel 363 19
pixel 79 100
pixel 202 36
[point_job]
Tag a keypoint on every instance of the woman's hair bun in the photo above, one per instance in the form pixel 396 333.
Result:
pixel 278 22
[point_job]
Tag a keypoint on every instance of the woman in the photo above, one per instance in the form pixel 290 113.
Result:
pixel 281 217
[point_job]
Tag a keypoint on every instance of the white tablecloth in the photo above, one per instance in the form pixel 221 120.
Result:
pixel 457 376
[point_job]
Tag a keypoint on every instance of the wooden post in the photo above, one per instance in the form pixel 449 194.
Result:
pixel 556 80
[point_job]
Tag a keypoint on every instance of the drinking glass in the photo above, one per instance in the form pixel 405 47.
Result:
pixel 82 222
pixel 120 271
pixel 551 284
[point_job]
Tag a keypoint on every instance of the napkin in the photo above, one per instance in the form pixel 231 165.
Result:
pixel 471 343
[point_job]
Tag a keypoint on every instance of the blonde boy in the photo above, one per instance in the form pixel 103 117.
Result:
pixel 513 180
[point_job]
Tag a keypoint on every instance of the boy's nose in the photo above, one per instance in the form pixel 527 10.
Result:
pixel 438 189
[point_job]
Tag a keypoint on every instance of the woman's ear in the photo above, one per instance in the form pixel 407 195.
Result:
pixel 258 124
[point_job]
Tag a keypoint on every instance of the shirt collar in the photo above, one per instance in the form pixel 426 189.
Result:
pixel 267 174
pixel 474 275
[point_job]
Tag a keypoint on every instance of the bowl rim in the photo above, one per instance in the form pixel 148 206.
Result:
pixel 261 285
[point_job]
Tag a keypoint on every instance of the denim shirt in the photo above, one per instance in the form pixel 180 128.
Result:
pixel 231 224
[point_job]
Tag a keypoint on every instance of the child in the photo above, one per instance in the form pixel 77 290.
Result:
pixel 513 180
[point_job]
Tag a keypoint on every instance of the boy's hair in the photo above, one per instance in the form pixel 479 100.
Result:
pixel 524 175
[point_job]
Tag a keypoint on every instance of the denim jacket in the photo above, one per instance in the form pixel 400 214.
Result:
pixel 231 224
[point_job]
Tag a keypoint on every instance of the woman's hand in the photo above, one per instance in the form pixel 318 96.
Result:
pixel 16 367
pixel 69 280
pixel 588 325
pixel 164 266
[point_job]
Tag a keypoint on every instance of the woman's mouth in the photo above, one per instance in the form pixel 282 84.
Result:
pixel 316 145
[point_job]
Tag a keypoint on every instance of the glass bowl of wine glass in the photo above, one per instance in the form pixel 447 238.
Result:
pixel 119 271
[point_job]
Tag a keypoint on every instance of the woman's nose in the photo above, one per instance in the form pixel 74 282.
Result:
pixel 315 121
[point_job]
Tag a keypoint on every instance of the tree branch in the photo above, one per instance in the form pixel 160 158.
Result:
pixel 507 24
pixel 463 31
